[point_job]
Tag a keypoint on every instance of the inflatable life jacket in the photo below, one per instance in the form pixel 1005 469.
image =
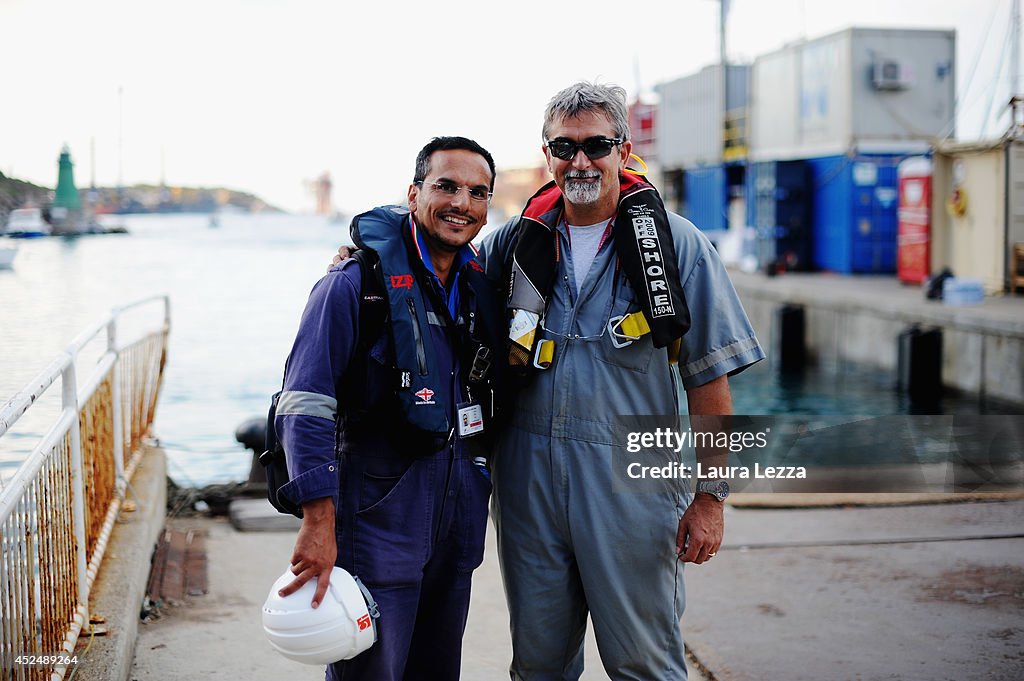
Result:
pixel 398 280
pixel 643 243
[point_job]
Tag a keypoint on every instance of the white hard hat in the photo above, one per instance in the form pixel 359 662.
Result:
pixel 341 628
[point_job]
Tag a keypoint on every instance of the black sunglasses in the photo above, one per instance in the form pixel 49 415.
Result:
pixel 593 147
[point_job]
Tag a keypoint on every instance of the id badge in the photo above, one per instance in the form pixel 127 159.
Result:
pixel 470 419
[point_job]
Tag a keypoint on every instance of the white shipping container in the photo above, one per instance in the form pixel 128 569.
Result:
pixel 870 89
pixel 689 120
pixel 774 96
pixel 825 108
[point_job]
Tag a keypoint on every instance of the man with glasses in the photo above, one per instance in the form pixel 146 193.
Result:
pixel 387 404
pixel 604 281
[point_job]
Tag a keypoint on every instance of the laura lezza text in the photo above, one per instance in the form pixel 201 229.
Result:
pixel 676 470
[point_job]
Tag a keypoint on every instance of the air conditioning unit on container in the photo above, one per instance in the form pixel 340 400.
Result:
pixel 890 74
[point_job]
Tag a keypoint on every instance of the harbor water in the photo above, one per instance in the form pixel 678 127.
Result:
pixel 237 292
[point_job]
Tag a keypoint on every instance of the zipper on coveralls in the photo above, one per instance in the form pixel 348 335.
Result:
pixel 421 352
pixel 569 337
pixel 456 397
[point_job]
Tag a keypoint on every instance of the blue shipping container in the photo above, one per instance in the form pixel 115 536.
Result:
pixel 705 197
pixel 855 213
pixel 779 207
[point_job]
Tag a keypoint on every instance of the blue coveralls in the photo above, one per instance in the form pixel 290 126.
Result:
pixel 409 524
pixel 570 541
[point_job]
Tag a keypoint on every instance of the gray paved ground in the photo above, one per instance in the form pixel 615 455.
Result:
pixel 920 592
pixel 917 592
pixel 218 636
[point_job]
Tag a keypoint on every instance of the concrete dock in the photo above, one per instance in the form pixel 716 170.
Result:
pixel 928 591
pixel 219 636
pixel 910 592
pixel 915 592
pixel 857 320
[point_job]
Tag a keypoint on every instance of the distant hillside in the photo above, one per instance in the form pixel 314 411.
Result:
pixel 135 199
pixel 16 193
pixel 144 198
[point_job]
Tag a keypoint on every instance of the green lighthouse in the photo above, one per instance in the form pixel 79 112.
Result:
pixel 66 195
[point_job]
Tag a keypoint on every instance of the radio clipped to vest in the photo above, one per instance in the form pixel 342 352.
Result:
pixel 526 306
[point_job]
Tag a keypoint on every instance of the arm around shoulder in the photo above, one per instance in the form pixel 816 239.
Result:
pixel 495 249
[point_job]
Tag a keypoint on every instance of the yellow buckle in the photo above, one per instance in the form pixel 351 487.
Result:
pixel 545 354
pixel 625 329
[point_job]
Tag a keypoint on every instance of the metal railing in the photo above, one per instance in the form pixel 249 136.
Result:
pixel 59 508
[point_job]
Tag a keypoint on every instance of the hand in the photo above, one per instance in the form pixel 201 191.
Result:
pixel 700 530
pixel 315 549
pixel 344 252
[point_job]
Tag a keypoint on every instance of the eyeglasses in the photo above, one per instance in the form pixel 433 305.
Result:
pixel 594 147
pixel 478 193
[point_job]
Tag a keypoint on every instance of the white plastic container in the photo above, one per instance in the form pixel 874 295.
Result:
pixel 962 291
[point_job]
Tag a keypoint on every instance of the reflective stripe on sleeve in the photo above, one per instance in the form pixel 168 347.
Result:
pixel 307 404
pixel 720 355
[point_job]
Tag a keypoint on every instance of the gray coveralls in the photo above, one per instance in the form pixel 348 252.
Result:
pixel 569 544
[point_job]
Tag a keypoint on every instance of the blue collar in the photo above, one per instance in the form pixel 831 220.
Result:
pixel 462 257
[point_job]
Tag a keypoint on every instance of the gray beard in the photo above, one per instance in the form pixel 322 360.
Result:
pixel 582 193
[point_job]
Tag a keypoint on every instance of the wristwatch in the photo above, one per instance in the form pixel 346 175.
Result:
pixel 719 489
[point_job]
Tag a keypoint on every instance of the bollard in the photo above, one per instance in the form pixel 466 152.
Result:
pixel 790 328
pixel 252 433
pixel 919 363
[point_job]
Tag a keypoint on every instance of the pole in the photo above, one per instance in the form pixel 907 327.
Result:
pixel 69 403
pixel 724 12
pixel 120 140
pixel 1015 50
pixel 117 406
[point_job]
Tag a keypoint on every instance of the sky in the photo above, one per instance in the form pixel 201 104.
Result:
pixel 265 95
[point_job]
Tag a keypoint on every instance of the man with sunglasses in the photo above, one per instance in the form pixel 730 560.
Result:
pixel 383 429
pixel 603 284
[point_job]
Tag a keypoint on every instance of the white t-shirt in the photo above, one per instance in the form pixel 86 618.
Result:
pixel 585 241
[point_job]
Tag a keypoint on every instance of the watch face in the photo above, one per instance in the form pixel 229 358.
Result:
pixel 719 488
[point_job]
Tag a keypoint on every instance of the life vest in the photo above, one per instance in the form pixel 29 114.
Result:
pixel 642 239
pixel 400 282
